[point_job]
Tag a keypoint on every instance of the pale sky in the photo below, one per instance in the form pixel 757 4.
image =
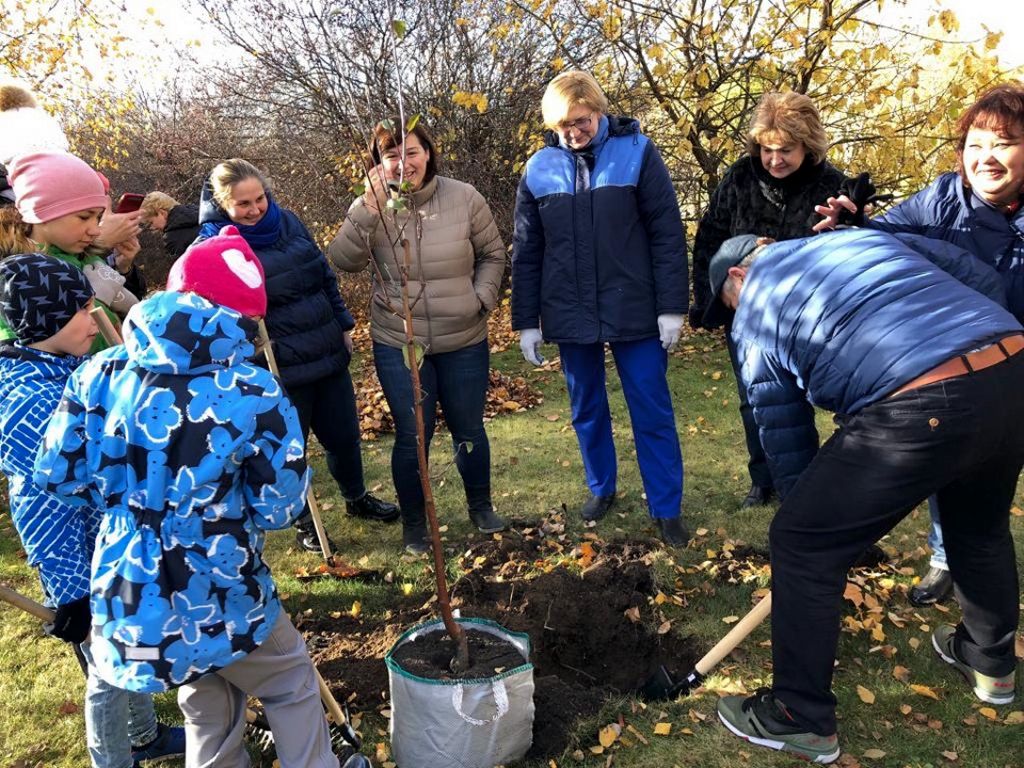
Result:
pixel 182 24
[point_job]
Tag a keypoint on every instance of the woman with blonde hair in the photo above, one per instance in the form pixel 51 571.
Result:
pixel 600 258
pixel 308 324
pixel 769 192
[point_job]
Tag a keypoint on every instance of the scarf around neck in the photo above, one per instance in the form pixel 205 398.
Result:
pixel 262 234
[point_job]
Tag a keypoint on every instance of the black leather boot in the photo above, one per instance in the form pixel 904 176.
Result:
pixel 758 496
pixel 596 507
pixel 673 530
pixel 370 507
pixel 481 510
pixel 935 587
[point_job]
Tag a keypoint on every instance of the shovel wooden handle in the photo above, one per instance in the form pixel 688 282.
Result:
pixel 314 508
pixel 27 604
pixel 107 329
pixel 735 636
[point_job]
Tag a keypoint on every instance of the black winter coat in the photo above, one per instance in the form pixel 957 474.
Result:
pixel 750 201
pixel 181 229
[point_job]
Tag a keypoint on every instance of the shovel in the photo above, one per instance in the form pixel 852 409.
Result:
pixel 662 685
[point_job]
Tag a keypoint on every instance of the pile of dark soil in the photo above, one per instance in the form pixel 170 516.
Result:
pixel 587 610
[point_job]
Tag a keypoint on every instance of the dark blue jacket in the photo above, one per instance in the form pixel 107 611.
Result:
pixel 842 320
pixel 598 250
pixel 945 210
pixel 306 315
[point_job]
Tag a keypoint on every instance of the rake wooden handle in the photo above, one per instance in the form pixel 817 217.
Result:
pixel 27 604
pixel 107 329
pixel 314 508
pixel 735 636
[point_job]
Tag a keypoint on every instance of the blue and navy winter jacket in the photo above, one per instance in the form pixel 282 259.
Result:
pixel 191 453
pixel 946 210
pixel 842 320
pixel 598 250
pixel 306 316
pixel 58 537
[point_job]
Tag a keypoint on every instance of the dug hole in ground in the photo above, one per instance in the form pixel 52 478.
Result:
pixel 589 619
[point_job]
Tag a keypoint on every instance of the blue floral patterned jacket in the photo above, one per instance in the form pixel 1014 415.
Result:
pixel 192 453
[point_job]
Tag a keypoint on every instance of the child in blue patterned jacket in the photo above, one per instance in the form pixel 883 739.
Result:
pixel 192 453
pixel 45 301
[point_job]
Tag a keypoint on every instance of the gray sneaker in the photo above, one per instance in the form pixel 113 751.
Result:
pixel 764 720
pixel 994 690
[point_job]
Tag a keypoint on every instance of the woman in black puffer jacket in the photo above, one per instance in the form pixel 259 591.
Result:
pixel 307 322
pixel 769 192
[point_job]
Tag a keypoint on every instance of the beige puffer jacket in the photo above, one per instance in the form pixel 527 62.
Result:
pixel 457 262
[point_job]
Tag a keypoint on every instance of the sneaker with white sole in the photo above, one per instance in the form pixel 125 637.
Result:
pixel 764 720
pixel 993 690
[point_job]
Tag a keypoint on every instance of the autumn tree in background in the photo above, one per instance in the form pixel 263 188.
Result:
pixel 693 69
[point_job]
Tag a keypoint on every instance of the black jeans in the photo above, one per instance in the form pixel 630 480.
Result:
pixel 961 438
pixel 328 406
pixel 757 464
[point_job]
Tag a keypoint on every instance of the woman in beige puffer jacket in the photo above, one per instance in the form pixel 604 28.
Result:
pixel 457 261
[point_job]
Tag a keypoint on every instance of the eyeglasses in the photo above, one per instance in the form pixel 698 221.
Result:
pixel 580 124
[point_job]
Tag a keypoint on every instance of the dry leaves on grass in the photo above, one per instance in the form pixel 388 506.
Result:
pixel 505 394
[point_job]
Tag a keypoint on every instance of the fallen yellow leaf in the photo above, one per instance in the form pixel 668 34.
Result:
pixel 906 709
pixel 901 673
pixel 951 756
pixel 633 614
pixel 664 627
pixel 988 712
pixel 357 608
pixel 598 750
pixel 609 734
pixel 874 754
pixel 924 690
pixel 730 619
pixel 865 695
pixel 914 643
pixel 1015 718
pixel 662 729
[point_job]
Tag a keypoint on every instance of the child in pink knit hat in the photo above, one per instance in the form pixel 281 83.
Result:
pixel 60 201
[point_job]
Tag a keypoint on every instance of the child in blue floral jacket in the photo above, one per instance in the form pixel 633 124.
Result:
pixel 45 302
pixel 193 452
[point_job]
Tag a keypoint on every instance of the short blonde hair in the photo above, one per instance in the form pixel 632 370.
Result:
pixel 155 202
pixel 567 90
pixel 229 173
pixel 785 117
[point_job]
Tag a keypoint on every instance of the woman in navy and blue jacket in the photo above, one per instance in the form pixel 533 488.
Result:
pixel 600 257
pixel 307 322
pixel 978 208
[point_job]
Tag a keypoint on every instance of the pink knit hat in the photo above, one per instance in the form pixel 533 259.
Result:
pixel 224 270
pixel 48 185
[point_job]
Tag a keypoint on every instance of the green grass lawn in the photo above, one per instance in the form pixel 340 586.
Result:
pixel 536 467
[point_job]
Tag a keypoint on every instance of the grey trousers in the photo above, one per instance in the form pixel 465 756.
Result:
pixel 281 675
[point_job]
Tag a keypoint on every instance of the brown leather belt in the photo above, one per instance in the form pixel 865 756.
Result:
pixel 961 365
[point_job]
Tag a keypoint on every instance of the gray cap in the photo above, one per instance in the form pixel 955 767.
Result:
pixel 732 252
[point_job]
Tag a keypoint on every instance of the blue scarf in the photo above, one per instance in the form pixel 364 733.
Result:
pixel 263 233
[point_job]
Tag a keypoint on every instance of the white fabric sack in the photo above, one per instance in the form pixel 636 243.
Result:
pixel 461 723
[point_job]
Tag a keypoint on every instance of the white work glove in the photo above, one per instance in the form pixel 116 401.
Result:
pixel 669 328
pixel 530 340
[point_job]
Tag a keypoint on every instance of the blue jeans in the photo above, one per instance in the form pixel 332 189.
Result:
pixel 642 366
pixel 458 381
pixel 115 720
pixel 935 536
